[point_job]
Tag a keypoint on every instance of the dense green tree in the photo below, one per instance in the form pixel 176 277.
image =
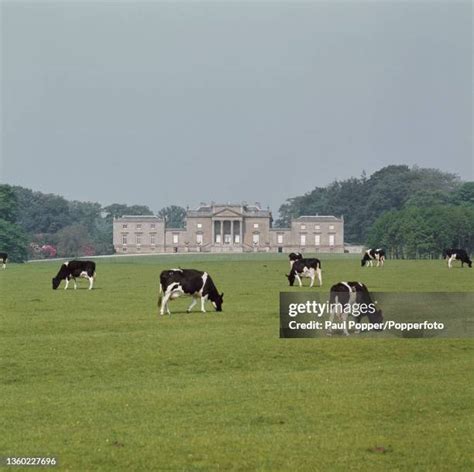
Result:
pixel 8 203
pixel 175 216
pixel 13 241
pixel 362 201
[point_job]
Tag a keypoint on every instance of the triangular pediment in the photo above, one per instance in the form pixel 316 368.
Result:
pixel 227 212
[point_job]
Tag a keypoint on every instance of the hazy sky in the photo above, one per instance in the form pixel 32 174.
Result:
pixel 181 102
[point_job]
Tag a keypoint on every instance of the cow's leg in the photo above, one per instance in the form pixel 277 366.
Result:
pixel 299 280
pixel 311 276
pixel 164 304
pixel 203 301
pixel 75 284
pixel 344 320
pixel 332 313
pixel 67 283
pixel 320 276
pixel 91 282
pixel 450 261
pixel 192 304
pixel 4 266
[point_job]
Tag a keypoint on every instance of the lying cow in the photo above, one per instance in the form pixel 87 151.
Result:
pixel 4 258
pixel 305 268
pixel 372 255
pixel 294 256
pixel 457 255
pixel 72 270
pixel 345 295
pixel 197 284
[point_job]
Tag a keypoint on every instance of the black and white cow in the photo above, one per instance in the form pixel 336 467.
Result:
pixel 344 295
pixel 295 256
pixel 372 255
pixel 305 268
pixel 72 270
pixel 457 255
pixel 4 258
pixel 197 284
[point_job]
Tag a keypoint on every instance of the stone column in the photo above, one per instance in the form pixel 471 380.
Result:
pixel 222 232
pixel 232 223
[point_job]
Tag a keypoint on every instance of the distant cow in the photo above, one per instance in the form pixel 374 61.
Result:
pixel 345 294
pixel 4 258
pixel 294 256
pixel 197 284
pixel 372 255
pixel 72 270
pixel 305 268
pixel 457 255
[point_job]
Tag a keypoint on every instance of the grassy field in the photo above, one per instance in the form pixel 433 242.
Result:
pixel 102 382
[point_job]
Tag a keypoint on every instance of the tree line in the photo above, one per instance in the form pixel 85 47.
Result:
pixel 411 212
pixel 38 225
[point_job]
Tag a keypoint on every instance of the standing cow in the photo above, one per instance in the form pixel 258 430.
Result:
pixel 4 258
pixel 343 297
pixel 74 269
pixel 197 284
pixel 457 255
pixel 305 268
pixel 372 255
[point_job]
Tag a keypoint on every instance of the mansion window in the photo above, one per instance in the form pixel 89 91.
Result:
pixel 124 239
pixel 152 239
pixel 199 225
pixel 331 239
pixel 175 238
pixel 124 226
pixel 139 240
pixel 152 226
pixel 199 238
pixel 317 239
pixel 255 225
pixel 279 238
pixel 303 226
pixel 303 239
pixel 139 226
pixel 317 227
pixel 256 238
pixel 331 226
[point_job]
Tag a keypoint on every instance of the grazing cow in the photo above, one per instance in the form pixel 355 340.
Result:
pixel 197 284
pixel 4 257
pixel 457 255
pixel 305 268
pixel 345 294
pixel 72 270
pixel 373 254
pixel 295 256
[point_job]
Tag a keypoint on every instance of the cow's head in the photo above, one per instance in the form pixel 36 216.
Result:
pixel 291 278
pixel 56 282
pixel 217 301
pixel 363 261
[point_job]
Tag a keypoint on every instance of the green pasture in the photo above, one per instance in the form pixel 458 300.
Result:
pixel 101 381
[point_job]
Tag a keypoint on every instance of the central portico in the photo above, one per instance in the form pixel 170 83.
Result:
pixel 228 228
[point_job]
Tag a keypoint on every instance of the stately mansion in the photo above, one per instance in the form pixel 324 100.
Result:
pixel 228 228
